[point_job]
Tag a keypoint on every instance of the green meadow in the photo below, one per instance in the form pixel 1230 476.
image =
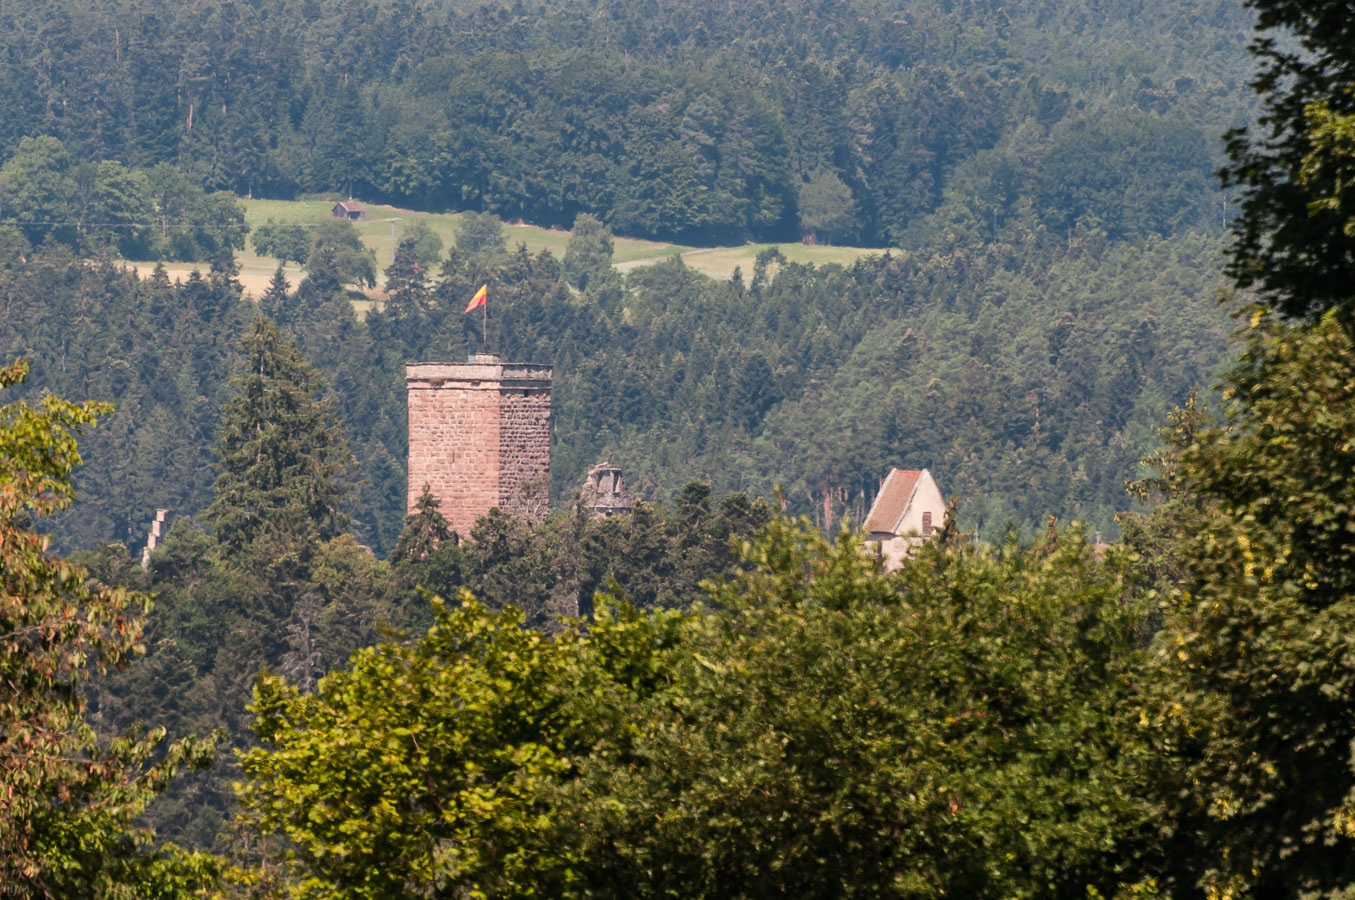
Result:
pixel 383 225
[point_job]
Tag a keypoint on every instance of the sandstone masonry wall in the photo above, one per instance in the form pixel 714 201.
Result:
pixel 479 437
pixel 524 442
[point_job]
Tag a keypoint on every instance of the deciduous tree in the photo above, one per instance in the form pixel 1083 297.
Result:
pixel 823 729
pixel 284 242
pixel 588 257
pixel 1295 244
pixel 337 254
pixel 68 821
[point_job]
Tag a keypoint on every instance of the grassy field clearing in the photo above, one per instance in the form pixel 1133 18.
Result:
pixel 384 224
pixel 376 229
pixel 720 262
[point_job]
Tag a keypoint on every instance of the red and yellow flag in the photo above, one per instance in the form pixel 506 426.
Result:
pixel 479 298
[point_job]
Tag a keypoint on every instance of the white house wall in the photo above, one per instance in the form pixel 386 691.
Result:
pixel 926 498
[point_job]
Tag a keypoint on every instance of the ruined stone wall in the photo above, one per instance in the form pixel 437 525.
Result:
pixel 479 434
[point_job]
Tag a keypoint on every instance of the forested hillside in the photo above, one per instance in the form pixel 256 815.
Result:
pixel 705 120
pixel 715 694
pixel 1029 378
pixel 1047 166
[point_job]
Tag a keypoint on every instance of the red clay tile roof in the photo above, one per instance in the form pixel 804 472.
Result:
pixel 892 500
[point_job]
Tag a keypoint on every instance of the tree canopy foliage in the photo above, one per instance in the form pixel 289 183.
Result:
pixel 931 733
pixel 759 710
pixel 815 378
pixel 701 121
pixel 281 460
pixel 1295 242
pixel 337 255
pixel 1254 661
pixel 68 825
pixel 103 207
pixel 1046 166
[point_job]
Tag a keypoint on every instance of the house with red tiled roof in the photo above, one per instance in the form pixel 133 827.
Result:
pixel 909 509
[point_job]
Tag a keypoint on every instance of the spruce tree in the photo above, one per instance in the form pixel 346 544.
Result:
pixel 273 303
pixel 409 300
pixel 282 461
pixel 282 587
pixel 281 493
pixel 427 558
pixel 425 530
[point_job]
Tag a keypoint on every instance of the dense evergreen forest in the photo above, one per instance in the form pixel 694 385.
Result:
pixel 1048 168
pixel 700 120
pixel 1029 377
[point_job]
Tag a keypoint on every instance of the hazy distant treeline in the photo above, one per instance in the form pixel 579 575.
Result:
pixel 705 121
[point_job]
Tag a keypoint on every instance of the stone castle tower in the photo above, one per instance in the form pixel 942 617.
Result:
pixel 479 437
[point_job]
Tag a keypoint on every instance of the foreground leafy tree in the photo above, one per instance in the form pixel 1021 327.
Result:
pixel 422 771
pixel 66 824
pixel 1295 241
pixel 964 729
pixel 1258 674
pixel 1255 667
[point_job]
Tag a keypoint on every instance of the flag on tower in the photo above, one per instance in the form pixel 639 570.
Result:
pixel 479 298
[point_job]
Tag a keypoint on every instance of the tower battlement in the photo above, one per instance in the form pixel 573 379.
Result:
pixel 479 437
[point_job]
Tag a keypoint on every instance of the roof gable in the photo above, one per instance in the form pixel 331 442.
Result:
pixel 892 501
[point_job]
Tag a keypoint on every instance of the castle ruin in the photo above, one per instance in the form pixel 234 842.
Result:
pixel 604 493
pixel 479 437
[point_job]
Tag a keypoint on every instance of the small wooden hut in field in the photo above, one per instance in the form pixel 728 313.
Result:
pixel 349 209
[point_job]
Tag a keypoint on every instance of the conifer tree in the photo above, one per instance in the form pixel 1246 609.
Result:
pixel 281 493
pixel 428 559
pixel 273 303
pixel 425 530
pixel 282 460
pixel 408 297
pixel 282 587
